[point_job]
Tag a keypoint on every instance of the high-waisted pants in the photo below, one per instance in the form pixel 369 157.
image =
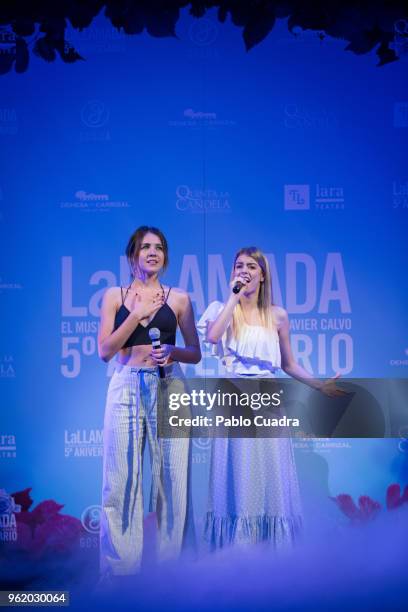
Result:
pixel 130 419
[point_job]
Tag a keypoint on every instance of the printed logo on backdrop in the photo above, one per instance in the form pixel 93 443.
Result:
pixel 8 524
pixel 297 197
pixel 320 445
pixel 8 286
pixel 201 450
pixel 193 118
pixel 85 201
pixel 403 442
pixel 400 194
pixel 8 121
pixel 7 368
pixel 8 53
pixel 323 197
pixel 203 34
pixel 299 36
pixel 202 200
pixel 309 117
pixel 7 40
pixel 95 117
pixel 84 443
pixel 98 39
pixel 91 522
pixel 400 42
pixel 402 361
pixel 401 114
pixel 8 446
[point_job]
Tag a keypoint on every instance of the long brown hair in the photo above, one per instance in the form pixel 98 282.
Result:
pixel 135 243
pixel 264 296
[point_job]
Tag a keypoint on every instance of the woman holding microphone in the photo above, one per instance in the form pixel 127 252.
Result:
pixel 253 493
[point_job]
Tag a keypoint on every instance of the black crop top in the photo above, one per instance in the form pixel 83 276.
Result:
pixel 164 319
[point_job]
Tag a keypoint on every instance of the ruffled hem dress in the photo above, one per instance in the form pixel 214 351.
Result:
pixel 253 490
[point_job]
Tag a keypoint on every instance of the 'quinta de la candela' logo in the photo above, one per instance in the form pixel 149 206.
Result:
pixel 8 524
pixel 202 200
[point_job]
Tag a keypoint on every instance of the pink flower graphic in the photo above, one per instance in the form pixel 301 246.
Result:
pixel 367 508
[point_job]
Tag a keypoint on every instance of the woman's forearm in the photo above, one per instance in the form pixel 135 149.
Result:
pixel 296 371
pixel 188 354
pixel 217 328
pixel 115 341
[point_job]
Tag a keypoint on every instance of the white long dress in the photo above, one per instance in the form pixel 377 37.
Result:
pixel 253 490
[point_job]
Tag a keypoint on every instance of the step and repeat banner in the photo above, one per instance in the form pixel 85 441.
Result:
pixel 297 147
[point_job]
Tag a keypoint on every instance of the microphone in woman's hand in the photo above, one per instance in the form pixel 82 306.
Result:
pixel 154 335
pixel 237 287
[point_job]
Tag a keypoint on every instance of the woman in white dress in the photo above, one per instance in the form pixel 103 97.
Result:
pixel 254 492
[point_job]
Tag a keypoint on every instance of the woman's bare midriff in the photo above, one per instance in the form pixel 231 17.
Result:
pixel 136 356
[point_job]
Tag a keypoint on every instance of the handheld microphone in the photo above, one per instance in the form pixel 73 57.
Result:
pixel 154 335
pixel 237 287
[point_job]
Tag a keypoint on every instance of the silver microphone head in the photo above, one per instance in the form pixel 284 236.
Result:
pixel 154 334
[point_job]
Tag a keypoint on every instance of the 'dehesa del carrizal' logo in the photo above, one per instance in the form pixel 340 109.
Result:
pixel 193 118
pixel 8 524
pixel 90 201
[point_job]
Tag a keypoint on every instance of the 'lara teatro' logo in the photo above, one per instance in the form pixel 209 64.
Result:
pixel 202 200
pixel 8 446
pixel 297 197
pixel 325 197
pixel 8 525
pixel 7 40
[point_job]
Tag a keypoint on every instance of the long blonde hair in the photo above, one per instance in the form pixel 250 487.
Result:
pixel 265 293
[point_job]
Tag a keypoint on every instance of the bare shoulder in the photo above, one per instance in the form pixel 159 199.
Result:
pixel 112 296
pixel 179 300
pixel 179 295
pixel 280 315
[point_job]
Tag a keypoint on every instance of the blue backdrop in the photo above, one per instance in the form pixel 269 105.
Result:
pixel 297 147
